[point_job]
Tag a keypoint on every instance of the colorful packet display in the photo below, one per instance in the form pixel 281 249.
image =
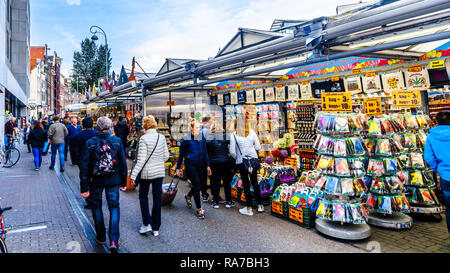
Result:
pixel 417 160
pixel 411 122
pixel 416 178
pixel 389 204
pixel 410 141
pixel 342 168
pixel 374 128
pixel 352 213
pixel 339 123
pixel 383 148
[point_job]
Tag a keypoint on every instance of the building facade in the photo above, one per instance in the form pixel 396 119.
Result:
pixel 14 60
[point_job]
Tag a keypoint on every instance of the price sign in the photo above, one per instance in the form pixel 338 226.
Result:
pixel 372 106
pixel 357 70
pixel 370 74
pixel 406 99
pixel 437 64
pixel 416 68
pixel 335 79
pixel 337 102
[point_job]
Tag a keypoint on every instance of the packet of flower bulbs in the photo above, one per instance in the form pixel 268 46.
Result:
pixel 417 160
pixel 410 140
pixel 341 167
pixel 383 147
pixel 411 122
pixel 332 185
pixel 340 147
pixel 390 166
pixel 416 178
pixel 338 212
pixel 354 146
pixel 428 178
pixel 384 205
pixel 347 186
pixel 426 196
pixel 341 124
pixel 320 183
pixel 370 145
pixel 374 127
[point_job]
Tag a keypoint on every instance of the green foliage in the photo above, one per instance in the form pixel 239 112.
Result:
pixel 89 64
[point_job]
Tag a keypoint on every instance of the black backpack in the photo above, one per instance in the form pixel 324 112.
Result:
pixel 105 158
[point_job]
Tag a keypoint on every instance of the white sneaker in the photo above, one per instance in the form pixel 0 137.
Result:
pixel 145 229
pixel 155 233
pixel 246 211
pixel 260 208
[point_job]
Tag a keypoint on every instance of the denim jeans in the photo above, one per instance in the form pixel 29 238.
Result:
pixel 445 185
pixel 37 153
pixel 60 149
pixel 112 197
pixel 144 187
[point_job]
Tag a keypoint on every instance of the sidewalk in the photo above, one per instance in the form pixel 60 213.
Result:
pixel 39 202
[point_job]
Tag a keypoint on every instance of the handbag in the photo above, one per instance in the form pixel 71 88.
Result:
pixel 138 177
pixel 250 164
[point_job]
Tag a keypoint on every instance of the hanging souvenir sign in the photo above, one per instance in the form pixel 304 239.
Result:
pixel 393 81
pixel 259 95
pixel 372 106
pixel 269 94
pixel 280 94
pixel 227 99
pixel 293 92
pixel 406 99
pixel 337 101
pixel 220 99
pixel 250 96
pixel 417 80
pixel 234 98
pixel 371 83
pixel 305 91
pixel 353 85
pixel 241 97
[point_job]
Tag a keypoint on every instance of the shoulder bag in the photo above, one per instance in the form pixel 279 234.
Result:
pixel 138 177
pixel 250 164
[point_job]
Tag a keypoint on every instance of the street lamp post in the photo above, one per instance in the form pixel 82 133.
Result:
pixel 94 30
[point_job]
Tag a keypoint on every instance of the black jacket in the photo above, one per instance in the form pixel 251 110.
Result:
pixel 80 141
pixel 37 138
pixel 217 146
pixel 121 130
pixel 87 164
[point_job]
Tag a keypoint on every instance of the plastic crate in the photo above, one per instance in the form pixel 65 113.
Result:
pixel 277 209
pixel 302 216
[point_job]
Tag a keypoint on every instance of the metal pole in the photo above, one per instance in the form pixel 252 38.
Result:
pixel 106 45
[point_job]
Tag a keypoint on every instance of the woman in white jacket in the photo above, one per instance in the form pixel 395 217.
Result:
pixel 152 173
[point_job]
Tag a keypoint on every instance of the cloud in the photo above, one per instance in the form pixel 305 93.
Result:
pixel 197 29
pixel 73 2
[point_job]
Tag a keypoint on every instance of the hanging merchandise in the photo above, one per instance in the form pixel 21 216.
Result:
pixel 293 92
pixel 353 85
pixel 305 91
pixel 269 125
pixel 226 99
pixel 305 130
pixel 234 98
pixel 269 94
pixel 393 81
pixel 417 80
pixel 259 95
pixel 280 93
pixel 371 83
pixel 250 96
pixel 242 97
pixel 220 101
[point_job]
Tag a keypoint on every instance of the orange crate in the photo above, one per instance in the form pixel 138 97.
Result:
pixel 234 193
pixel 277 208
pixel 296 214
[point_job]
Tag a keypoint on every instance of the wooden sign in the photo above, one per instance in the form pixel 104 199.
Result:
pixel 341 101
pixel 406 99
pixel 393 81
pixel 250 96
pixel 437 64
pixel 417 80
pixel 372 106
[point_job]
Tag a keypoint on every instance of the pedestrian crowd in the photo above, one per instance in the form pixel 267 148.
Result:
pixel 206 151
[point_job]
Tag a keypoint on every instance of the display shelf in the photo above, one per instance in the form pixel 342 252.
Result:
pixel 390 221
pixel 350 232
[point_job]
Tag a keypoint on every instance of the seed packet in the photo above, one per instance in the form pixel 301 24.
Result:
pixel 347 186
pixel 404 160
pixel 341 167
pixel 332 185
pixel 417 160
pixel 375 167
pixel 276 194
pixel 320 183
pixel 370 145
pixel 371 202
pixel 356 167
pixel 357 146
pixel 399 140
pixel 383 147
pixel 359 186
pixel 374 128
pixel 317 142
pixel 321 209
pixel 411 122
pixel 384 204
pixel 410 140
pixel 387 127
pixel 421 121
pixel 340 147
pixel 341 124
pixel 338 212
pixel 403 177
pixel 378 186
pixel 426 196
pixel 329 211
pixel 390 165
pixel 428 178
pixel 357 215
pixel 416 178
pixel 295 200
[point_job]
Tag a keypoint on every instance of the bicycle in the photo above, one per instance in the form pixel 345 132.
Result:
pixel 11 154
pixel 3 230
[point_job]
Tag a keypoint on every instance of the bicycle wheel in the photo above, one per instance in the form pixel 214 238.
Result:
pixel 12 156
pixel 3 248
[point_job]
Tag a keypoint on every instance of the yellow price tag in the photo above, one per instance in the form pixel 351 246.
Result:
pixel 335 79
pixel 437 64
pixel 370 74
pixel 372 106
pixel 406 99
pixel 357 70
pixel 337 101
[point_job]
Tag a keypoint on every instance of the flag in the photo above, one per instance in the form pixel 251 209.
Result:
pixel 132 77
pixel 94 90
pixel 123 76
pixel 114 80
pixel 106 85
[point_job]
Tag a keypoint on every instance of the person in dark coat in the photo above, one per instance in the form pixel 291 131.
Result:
pixel 37 138
pixel 26 133
pixel 122 131
pixel 82 137
pixel 73 129
pixel 105 172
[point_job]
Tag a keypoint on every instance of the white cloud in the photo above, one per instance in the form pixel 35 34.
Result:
pixel 197 29
pixel 73 2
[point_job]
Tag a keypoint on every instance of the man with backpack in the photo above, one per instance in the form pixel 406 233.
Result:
pixel 103 167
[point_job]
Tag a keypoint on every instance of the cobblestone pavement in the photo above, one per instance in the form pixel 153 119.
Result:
pixel 38 201
pixel 43 199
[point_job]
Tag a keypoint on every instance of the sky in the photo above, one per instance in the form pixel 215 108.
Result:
pixel 152 30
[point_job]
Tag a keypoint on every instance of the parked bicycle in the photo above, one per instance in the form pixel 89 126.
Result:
pixel 3 230
pixel 11 154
